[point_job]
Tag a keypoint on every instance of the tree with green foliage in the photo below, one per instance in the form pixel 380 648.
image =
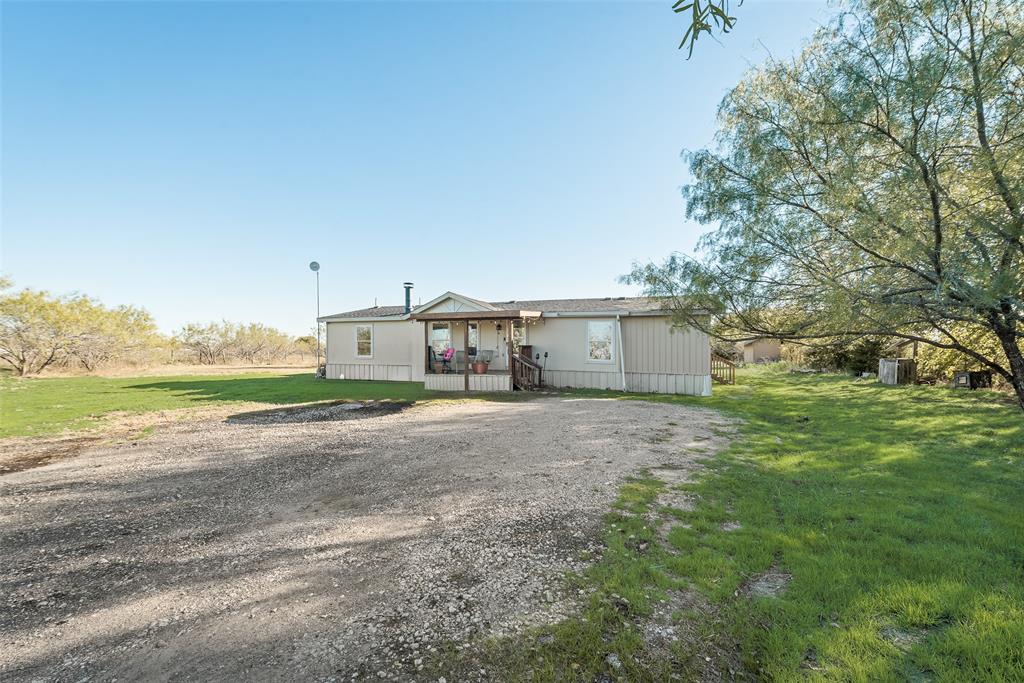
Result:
pixel 36 330
pixel 39 330
pixel 872 186
pixel 103 335
pixel 941 363
pixel 856 356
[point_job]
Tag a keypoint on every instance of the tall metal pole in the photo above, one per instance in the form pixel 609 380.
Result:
pixel 315 267
pixel 318 321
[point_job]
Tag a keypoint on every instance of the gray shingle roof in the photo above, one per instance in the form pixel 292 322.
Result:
pixel 374 312
pixel 621 303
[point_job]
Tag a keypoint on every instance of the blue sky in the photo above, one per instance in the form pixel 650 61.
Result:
pixel 192 158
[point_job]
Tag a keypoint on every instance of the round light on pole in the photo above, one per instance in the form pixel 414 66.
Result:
pixel 314 266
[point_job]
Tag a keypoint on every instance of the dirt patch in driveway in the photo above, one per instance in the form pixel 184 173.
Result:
pixel 18 453
pixel 317 549
pixel 319 412
pixel 24 453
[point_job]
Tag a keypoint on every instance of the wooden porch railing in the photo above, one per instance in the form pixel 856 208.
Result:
pixel 525 373
pixel 723 370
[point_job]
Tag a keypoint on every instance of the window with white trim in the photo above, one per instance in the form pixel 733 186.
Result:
pixel 440 337
pixel 364 341
pixel 474 336
pixel 599 341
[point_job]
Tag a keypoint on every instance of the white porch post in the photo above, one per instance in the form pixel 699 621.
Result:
pixel 622 352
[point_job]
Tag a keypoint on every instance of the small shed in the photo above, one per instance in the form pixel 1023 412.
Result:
pixel 897 370
pixel 761 350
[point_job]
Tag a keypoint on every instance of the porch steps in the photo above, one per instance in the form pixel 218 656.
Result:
pixel 723 370
pixel 526 375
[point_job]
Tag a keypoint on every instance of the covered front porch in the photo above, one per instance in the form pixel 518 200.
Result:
pixel 477 350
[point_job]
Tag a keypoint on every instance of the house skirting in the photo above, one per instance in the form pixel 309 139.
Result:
pixel 390 373
pixel 454 382
pixel 641 382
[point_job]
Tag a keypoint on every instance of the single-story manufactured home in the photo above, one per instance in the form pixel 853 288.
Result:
pixel 456 343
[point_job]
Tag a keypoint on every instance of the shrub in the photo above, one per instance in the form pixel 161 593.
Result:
pixel 940 364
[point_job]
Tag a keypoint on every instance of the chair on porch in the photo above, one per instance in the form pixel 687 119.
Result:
pixel 444 360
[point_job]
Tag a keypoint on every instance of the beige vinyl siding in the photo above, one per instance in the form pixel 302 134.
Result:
pixel 392 351
pixel 652 345
pixel 657 357
pixel 565 342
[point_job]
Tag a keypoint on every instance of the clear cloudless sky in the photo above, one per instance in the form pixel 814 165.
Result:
pixel 193 157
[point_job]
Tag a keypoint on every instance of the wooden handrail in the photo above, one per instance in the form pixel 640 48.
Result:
pixel 529 361
pixel 525 373
pixel 723 370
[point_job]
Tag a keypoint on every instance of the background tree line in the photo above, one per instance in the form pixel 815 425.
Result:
pixel 252 343
pixel 39 330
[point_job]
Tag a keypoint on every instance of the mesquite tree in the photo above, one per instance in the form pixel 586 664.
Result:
pixel 872 186
pixel 705 16
pixel 39 330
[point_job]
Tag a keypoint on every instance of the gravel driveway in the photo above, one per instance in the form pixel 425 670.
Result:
pixel 317 543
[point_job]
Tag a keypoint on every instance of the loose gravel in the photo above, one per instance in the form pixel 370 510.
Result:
pixel 355 543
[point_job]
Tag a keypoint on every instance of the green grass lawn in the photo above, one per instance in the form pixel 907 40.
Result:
pixel 40 406
pixel 898 512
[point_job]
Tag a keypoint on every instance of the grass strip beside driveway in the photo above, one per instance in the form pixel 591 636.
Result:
pixel 851 532
pixel 898 513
